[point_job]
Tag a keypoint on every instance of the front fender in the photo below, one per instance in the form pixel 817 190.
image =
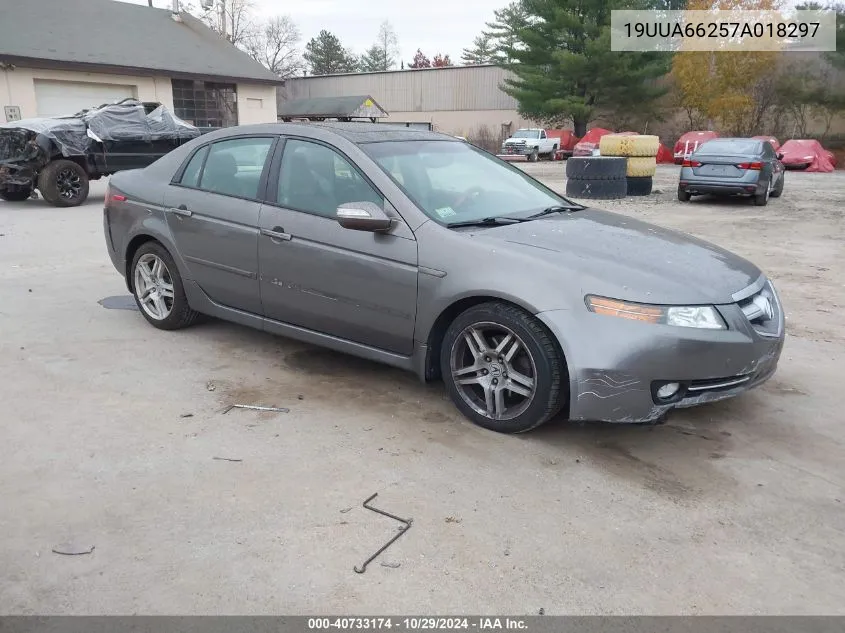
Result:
pixel 453 268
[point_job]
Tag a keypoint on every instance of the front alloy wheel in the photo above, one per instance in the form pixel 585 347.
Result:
pixel 502 368
pixel 493 371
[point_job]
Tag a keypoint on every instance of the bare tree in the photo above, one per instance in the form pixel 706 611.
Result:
pixel 232 19
pixel 273 44
pixel 389 43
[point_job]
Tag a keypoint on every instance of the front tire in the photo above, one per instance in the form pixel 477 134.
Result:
pixel 63 183
pixel 502 368
pixel 534 156
pixel 158 290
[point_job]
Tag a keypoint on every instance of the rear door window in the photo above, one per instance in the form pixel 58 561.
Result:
pixel 234 167
pixel 191 175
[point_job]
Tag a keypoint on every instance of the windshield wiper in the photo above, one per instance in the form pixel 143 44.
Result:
pixel 558 208
pixel 499 220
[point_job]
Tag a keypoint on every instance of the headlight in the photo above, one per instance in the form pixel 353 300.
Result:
pixel 682 316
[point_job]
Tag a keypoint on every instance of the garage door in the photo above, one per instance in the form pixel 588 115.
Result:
pixel 57 98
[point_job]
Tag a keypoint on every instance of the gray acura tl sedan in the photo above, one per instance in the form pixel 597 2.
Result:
pixel 418 250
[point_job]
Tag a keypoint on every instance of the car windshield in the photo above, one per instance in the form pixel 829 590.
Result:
pixel 526 134
pixel 456 182
pixel 738 147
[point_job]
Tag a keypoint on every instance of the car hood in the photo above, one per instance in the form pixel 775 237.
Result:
pixel 615 255
pixel 518 140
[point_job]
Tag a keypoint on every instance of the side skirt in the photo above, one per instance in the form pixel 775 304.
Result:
pixel 201 302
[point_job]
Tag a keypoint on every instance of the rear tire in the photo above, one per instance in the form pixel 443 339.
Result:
pixel 683 196
pixel 762 199
pixel 778 188
pixel 63 183
pixel 159 293
pixel 522 354
pixel 16 195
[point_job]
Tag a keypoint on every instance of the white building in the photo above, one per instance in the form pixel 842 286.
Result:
pixel 455 99
pixel 57 58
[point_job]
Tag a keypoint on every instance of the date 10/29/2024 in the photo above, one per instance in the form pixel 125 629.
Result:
pixel 418 623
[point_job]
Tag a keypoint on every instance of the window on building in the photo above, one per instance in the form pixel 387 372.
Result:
pixel 205 103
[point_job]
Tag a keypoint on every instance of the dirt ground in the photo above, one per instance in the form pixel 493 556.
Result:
pixel 109 432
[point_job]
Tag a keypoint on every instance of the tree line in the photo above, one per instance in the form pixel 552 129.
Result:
pixel 275 43
pixel 564 70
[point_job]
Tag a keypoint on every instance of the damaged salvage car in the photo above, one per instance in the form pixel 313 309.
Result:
pixel 59 156
pixel 417 250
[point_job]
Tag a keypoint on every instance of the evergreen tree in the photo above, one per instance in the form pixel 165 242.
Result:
pixel 482 51
pixel 325 55
pixel 564 69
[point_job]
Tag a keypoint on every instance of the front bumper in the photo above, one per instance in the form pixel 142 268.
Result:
pixel 516 150
pixel 615 364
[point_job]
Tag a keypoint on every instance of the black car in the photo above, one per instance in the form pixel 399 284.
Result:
pixel 733 167
pixel 59 156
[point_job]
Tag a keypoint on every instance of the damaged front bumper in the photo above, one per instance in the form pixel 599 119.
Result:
pixel 20 158
pixel 614 374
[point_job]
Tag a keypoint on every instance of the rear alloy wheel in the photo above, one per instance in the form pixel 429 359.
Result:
pixel 683 195
pixel 762 199
pixel 502 368
pixel 158 288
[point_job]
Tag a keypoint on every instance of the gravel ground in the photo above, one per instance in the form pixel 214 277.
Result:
pixel 735 507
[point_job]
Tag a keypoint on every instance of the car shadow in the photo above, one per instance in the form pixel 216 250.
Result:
pixel 678 458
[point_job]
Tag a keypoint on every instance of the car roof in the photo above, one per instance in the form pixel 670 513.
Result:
pixel 358 133
pixel 738 139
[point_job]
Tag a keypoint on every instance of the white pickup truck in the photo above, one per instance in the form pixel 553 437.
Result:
pixel 531 143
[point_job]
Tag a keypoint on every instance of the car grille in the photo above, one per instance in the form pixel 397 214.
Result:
pixel 763 311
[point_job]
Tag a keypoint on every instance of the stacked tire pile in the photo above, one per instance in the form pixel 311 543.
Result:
pixel 596 177
pixel 640 152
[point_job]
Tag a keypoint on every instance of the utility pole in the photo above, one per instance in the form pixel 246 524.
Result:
pixel 223 26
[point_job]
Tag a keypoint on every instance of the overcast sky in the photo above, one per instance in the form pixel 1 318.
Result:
pixel 444 26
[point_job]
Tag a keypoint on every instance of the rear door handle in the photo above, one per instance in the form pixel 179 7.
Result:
pixel 181 210
pixel 277 234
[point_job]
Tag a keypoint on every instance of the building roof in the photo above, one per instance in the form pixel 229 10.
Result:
pixel 395 71
pixel 354 107
pixel 113 36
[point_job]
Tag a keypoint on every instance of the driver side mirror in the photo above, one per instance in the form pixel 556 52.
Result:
pixel 363 216
pixel 779 156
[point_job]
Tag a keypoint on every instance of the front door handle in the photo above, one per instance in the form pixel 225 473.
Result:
pixel 181 210
pixel 277 234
